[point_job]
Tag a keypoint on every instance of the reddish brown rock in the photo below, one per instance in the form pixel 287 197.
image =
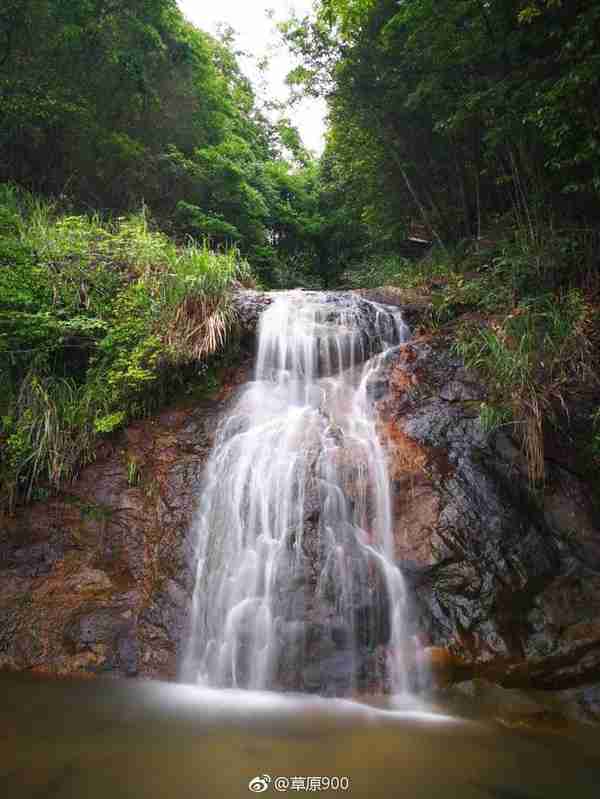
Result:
pixel 98 579
pixel 417 508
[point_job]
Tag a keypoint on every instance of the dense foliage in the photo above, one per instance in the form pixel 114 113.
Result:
pixel 99 323
pixel 112 104
pixel 524 316
pixel 453 113
pixel 108 108
pixel 475 121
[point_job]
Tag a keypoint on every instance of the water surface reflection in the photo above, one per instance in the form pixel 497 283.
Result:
pixel 110 738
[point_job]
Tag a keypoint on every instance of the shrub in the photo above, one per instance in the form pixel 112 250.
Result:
pixel 95 319
pixel 532 359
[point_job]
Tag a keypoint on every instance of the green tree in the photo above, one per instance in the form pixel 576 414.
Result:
pixel 470 109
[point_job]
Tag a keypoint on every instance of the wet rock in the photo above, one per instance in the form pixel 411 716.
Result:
pixel 128 654
pixel 9 623
pixel 249 305
pixel 541 711
pixel 331 674
pixel 33 558
pixel 569 513
pixel 98 579
pixel 108 632
pixel 583 703
pixel 441 667
pixel 503 584
pixel 319 650
pixel 416 308
pixel 88 579
pixel 458 390
pixel 29 647
pixel 512 708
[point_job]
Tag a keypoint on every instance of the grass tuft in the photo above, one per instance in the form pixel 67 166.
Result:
pixel 526 315
pixel 97 318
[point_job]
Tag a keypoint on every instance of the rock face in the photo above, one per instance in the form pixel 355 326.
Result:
pixel 249 305
pixel 98 579
pixel 509 587
pixel 505 588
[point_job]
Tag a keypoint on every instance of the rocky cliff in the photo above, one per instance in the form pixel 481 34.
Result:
pixel 98 578
pixel 505 585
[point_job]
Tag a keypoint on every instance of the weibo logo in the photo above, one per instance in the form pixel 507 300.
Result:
pixel 259 784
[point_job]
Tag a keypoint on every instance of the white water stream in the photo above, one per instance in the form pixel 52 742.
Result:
pixel 296 586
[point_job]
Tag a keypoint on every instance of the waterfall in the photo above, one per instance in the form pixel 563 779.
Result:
pixel 296 586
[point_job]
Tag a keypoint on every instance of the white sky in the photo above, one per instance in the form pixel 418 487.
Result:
pixel 257 36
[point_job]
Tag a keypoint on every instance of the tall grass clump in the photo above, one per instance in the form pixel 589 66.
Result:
pixel 49 434
pixel 537 358
pixel 198 308
pixel 96 319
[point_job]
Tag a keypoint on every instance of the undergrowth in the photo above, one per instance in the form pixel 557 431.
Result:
pixel 96 320
pixel 526 315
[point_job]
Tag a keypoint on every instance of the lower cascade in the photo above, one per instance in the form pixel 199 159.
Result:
pixel 296 585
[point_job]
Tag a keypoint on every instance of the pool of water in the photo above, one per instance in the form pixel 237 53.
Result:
pixel 107 739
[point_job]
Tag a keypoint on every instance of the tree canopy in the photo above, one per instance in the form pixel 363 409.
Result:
pixel 456 112
pixel 115 104
pixel 141 182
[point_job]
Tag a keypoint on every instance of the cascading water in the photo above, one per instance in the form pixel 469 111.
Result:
pixel 296 586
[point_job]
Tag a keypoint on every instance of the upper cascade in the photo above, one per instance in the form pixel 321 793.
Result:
pixel 296 585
